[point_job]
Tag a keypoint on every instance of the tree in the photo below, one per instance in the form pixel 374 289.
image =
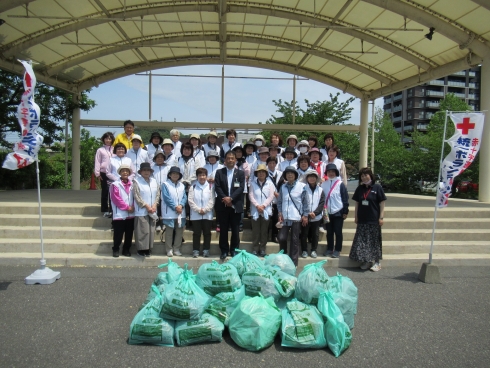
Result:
pixel 56 105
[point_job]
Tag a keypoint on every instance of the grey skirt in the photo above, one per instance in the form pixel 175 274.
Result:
pixel 367 243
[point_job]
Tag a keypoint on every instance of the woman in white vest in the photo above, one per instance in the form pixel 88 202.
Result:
pixel 137 154
pixel 146 197
pixel 154 144
pixel 317 199
pixel 160 171
pixel 117 161
pixel 293 205
pixel 122 210
pixel 174 200
pixel 201 202
pixel 275 176
pixel 261 193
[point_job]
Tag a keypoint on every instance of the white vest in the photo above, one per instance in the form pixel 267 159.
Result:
pixel 289 211
pixel 137 158
pixel 176 150
pixel 116 162
pixel 206 148
pixel 117 213
pixel 160 173
pixel 314 200
pixel 199 154
pixel 212 169
pixel 151 151
pixel 286 163
pixel 202 194
pixel 226 146
pixel 334 203
pixel 176 192
pixel 261 195
pixel 188 169
pixel 148 192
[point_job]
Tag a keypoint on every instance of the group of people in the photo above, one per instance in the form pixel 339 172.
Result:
pixel 295 191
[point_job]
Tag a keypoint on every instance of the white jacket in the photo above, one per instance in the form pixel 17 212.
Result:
pixel 201 196
pixel 148 193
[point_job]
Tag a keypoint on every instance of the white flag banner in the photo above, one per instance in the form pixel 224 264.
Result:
pixel 28 113
pixel 465 144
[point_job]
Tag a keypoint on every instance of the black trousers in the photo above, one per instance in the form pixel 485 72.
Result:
pixel 273 221
pixel 310 231
pixel 228 218
pixel 105 200
pixel 295 230
pixel 334 227
pixel 204 227
pixel 126 228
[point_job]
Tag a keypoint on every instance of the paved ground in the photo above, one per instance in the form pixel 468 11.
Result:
pixel 82 320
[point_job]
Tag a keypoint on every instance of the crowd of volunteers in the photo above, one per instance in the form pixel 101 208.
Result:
pixel 291 193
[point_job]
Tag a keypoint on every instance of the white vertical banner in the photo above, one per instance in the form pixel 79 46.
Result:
pixel 465 144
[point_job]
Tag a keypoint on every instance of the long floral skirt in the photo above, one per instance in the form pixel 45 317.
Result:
pixel 367 244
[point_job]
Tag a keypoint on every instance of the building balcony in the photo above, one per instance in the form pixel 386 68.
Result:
pixel 429 115
pixel 398 97
pixel 398 130
pixel 436 82
pixel 434 93
pixel 397 108
pixel 472 85
pixel 422 126
pixel 471 107
pixel 461 73
pixel 398 118
pixel 472 74
pixel 459 95
pixel 387 101
pixel 456 84
pixel 471 96
pixel 408 128
pixel 432 104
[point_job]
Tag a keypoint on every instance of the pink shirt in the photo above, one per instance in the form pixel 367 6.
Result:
pixel 116 197
pixel 102 159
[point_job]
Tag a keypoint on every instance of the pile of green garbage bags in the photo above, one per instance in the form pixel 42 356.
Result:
pixel 254 299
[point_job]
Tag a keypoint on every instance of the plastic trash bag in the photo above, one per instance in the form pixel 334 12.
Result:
pixel 345 303
pixel 151 294
pixel 285 280
pixel 207 328
pixel 282 303
pixel 283 261
pixel 337 332
pixel 343 284
pixel 255 323
pixel 302 326
pixel 183 299
pixel 222 305
pixel 310 279
pixel 173 273
pixel 244 261
pixel 261 281
pixel 148 327
pixel 215 278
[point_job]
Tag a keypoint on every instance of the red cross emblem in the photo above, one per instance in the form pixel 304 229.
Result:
pixel 465 126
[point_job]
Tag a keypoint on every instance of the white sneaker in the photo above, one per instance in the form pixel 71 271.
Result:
pixel 159 228
pixel 322 230
pixel 195 254
pixel 170 253
pixel 365 265
pixel 107 214
pixel 177 253
pixel 376 267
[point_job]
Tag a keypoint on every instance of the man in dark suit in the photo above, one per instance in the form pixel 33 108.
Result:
pixel 229 185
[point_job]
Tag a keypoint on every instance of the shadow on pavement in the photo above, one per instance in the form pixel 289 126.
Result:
pixel 412 277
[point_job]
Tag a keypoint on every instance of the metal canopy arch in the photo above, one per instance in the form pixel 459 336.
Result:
pixel 367 48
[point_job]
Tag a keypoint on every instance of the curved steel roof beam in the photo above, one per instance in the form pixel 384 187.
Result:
pixel 7 5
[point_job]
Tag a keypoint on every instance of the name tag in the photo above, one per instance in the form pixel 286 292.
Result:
pixel 236 184
pixel 365 203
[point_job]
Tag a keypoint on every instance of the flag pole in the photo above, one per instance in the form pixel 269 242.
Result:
pixel 43 261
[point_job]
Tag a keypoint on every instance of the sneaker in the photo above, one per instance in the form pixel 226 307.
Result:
pixel 159 228
pixel 195 254
pixel 262 254
pixel 328 253
pixel 147 253
pixel 141 253
pixel 313 254
pixel 205 253
pixel 322 230
pixel 223 256
pixel 107 214
pixel 304 254
pixel 183 240
pixel 336 254
pixel 376 267
pixel 365 265
pixel 177 253
pixel 217 228
pixel 115 253
pixel 254 253
pixel 126 253
pixel 170 253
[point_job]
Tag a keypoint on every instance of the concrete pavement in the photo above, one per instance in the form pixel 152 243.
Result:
pixel 82 320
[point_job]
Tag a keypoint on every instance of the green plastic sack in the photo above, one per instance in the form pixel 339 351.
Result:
pixel 215 278
pixel 285 280
pixel 281 260
pixel 282 303
pixel 183 299
pixel 254 323
pixel 222 305
pixel 337 332
pixel 302 326
pixel 207 328
pixel 151 294
pixel 343 284
pixel 148 327
pixel 261 281
pixel 310 279
pixel 345 304
pixel 244 261
pixel 173 273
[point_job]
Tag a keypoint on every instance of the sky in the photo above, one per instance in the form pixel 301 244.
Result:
pixel 199 99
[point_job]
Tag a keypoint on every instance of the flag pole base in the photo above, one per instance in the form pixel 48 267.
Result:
pixel 429 273
pixel 43 276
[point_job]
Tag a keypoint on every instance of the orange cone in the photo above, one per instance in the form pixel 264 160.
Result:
pixel 92 183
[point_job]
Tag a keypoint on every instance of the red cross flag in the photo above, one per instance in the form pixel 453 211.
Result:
pixel 29 115
pixel 465 144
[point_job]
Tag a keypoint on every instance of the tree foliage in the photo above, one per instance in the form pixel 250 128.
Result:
pixel 56 105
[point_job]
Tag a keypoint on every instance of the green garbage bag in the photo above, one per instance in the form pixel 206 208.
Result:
pixel 148 327
pixel 282 303
pixel 174 271
pixel 261 281
pixel 151 294
pixel 310 279
pixel 283 261
pixel 345 303
pixel 183 299
pixel 207 328
pixel 222 305
pixel 343 284
pixel 302 326
pixel 255 323
pixel 215 278
pixel 337 332
pixel 285 280
pixel 244 261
